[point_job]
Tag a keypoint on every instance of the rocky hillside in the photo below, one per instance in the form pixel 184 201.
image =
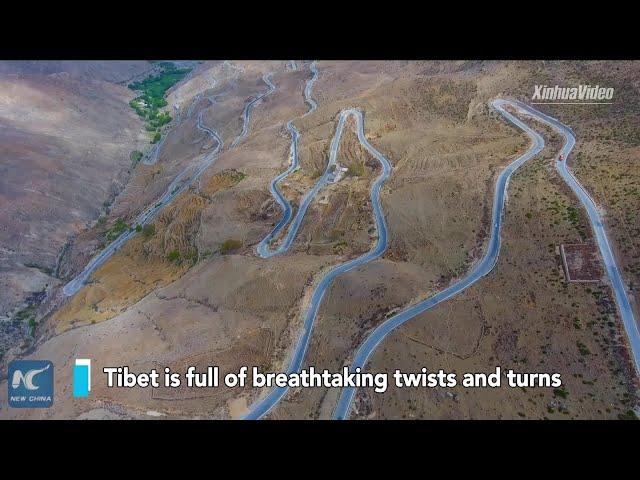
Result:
pixel 66 138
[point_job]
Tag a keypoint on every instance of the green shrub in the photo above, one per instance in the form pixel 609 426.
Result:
pixel 582 348
pixel 32 326
pixel 628 415
pixel 230 245
pixel 117 229
pixel 160 119
pixel 355 170
pixel 560 392
pixel 26 314
pixel 191 256
pixel 151 99
pixel 174 256
pixel 149 230
pixel 136 155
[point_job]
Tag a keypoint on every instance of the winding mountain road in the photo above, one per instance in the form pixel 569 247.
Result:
pixel 309 86
pixel 486 264
pixel 491 256
pixel 481 269
pixel 264 247
pixel 265 404
pixel 246 114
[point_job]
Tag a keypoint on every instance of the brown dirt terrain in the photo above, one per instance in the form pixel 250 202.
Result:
pixel 581 263
pixel 247 318
pixel 149 261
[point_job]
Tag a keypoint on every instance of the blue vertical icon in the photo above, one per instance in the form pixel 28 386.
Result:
pixel 82 377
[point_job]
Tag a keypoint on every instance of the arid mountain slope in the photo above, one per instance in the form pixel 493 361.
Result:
pixel 65 144
pixel 106 70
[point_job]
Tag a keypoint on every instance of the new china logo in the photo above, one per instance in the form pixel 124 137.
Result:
pixel 30 384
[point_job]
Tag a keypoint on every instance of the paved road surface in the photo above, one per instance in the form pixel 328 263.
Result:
pixel 265 404
pixel 309 87
pixel 264 247
pixel 246 114
pixel 480 270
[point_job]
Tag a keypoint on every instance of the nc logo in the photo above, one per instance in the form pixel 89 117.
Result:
pixel 31 384
pixel 27 378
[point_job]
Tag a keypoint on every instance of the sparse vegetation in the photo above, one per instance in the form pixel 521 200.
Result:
pixel 191 256
pixel 179 258
pixel 32 326
pixel 45 270
pixel 153 89
pixel 582 348
pixel 135 156
pixel 174 256
pixel 149 230
pixel 628 415
pixel 27 314
pixel 317 173
pixel 229 245
pixel 340 246
pixel 560 392
pixel 355 170
pixel 114 232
